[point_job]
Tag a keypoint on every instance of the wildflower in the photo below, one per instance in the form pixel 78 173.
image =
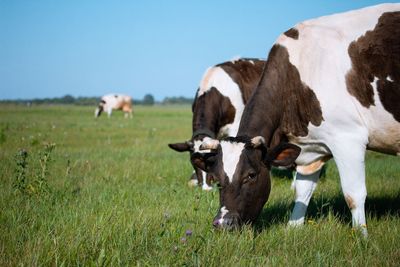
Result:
pixel 188 232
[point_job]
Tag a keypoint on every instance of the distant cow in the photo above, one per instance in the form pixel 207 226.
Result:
pixel 111 102
pixel 331 86
pixel 218 105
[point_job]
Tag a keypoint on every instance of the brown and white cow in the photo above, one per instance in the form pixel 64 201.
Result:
pixel 111 102
pixel 219 104
pixel 331 86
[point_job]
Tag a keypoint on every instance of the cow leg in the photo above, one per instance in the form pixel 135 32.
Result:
pixel 205 186
pixel 109 111
pixel 193 181
pixel 350 162
pixel 304 186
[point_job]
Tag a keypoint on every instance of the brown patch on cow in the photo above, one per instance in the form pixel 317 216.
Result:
pixel 292 33
pixel 127 107
pixel 300 105
pixel 350 202
pixel 313 167
pixel 376 54
pixel 246 73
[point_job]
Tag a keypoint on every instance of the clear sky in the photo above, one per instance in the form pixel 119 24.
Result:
pixel 94 47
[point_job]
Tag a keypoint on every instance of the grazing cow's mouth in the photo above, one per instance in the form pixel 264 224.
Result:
pixel 228 221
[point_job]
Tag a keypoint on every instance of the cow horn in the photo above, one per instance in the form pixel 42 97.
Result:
pixel 209 144
pixel 257 141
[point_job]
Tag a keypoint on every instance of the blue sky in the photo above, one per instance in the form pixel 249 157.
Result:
pixel 90 48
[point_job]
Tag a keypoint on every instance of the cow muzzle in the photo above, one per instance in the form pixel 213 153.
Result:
pixel 229 221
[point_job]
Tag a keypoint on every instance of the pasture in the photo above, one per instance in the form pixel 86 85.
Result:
pixel 80 191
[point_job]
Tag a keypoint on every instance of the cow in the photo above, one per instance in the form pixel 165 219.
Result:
pixel 111 102
pixel 218 106
pixel 330 89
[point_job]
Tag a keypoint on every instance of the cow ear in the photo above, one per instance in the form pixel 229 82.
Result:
pixel 182 147
pixel 283 155
pixel 203 161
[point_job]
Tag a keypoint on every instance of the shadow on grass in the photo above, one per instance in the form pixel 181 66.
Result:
pixel 376 206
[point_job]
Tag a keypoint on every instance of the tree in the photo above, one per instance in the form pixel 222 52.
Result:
pixel 148 100
pixel 67 99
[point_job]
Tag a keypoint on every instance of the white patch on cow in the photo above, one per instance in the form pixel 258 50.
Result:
pixel 196 145
pixel 389 79
pixel 216 77
pixel 224 211
pixel 230 157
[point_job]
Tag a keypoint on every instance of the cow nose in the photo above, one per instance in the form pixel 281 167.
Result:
pixel 229 222
pixel 216 223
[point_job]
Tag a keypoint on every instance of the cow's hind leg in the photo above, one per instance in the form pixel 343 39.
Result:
pixel 350 159
pixel 304 186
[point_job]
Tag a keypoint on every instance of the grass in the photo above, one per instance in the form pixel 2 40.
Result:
pixel 112 193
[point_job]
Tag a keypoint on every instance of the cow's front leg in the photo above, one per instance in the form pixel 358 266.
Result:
pixel 205 186
pixel 351 166
pixel 304 186
pixel 109 111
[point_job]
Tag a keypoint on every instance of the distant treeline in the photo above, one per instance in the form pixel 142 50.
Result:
pixel 92 101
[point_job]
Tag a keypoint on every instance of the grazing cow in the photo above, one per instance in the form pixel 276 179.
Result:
pixel 218 105
pixel 331 86
pixel 112 102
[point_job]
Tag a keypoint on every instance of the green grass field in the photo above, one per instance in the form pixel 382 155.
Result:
pixel 110 192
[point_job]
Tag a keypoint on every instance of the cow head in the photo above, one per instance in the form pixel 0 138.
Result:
pixel 99 109
pixel 193 146
pixel 241 167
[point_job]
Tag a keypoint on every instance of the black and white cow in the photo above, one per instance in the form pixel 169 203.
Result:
pixel 111 102
pixel 219 104
pixel 331 86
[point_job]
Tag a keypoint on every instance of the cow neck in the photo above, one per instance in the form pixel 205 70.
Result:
pixel 263 113
pixel 261 116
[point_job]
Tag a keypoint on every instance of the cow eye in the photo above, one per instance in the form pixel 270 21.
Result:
pixel 250 177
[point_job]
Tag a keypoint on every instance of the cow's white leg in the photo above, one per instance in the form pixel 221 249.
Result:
pixel 205 186
pixel 350 159
pixel 109 111
pixel 304 186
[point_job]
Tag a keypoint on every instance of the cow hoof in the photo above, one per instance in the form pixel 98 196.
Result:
pixel 361 229
pixel 193 183
pixel 206 187
pixel 295 223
